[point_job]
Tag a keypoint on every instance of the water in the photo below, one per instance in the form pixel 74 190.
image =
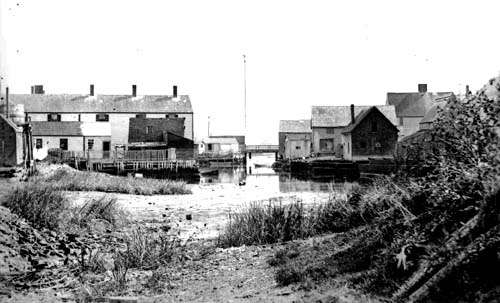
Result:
pixel 259 174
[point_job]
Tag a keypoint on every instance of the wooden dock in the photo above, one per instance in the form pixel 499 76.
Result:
pixel 147 162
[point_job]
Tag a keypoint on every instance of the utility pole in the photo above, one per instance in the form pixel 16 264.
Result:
pixel 245 85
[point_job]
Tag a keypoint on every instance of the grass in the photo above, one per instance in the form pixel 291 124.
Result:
pixel 274 221
pixel 104 209
pixel 260 223
pixel 148 250
pixel 93 181
pixel 44 206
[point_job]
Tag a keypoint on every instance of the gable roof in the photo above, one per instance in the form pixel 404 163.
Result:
pixel 340 116
pixel 359 118
pixel 65 103
pixel 295 126
pixel 415 104
pixel 70 128
pixel 431 115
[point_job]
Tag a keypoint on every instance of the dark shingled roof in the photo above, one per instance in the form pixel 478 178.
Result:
pixel 56 128
pixel 295 126
pixel 340 116
pixel 359 118
pixel 415 104
pixel 64 103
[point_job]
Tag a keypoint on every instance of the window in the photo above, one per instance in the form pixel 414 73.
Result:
pixel 102 117
pixel 400 121
pixel 91 144
pixel 39 143
pixel 348 148
pixel 362 144
pixel 330 130
pixel 63 144
pixel 149 129
pixel 176 116
pixel 53 117
pixel 297 147
pixel 209 146
pixel 374 126
pixel 326 145
pixel 167 116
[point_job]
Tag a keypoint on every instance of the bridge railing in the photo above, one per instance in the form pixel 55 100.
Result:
pixel 250 148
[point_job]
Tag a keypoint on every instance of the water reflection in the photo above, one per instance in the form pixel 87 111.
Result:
pixel 265 178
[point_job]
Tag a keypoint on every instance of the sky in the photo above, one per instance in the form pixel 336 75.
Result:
pixel 299 53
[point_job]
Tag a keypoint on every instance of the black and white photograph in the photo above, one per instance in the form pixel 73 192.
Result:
pixel 319 151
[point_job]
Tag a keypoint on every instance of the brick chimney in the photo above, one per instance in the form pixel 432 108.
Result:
pixel 91 89
pixel 422 88
pixel 175 91
pixel 134 90
pixel 39 90
pixel 353 119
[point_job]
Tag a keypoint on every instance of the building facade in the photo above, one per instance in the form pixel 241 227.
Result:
pixel 369 135
pixel 115 110
pixel 328 123
pixel 86 139
pixel 294 139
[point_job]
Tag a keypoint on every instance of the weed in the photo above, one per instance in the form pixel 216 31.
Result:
pixel 42 205
pixel 103 208
pixel 93 181
pixel 287 275
pixel 149 250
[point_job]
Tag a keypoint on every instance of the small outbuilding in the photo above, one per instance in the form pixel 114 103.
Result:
pixel 295 139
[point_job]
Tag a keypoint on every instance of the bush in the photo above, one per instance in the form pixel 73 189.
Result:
pixel 44 206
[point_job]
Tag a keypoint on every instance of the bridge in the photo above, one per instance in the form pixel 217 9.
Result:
pixel 249 149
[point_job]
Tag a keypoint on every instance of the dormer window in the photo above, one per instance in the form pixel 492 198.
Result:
pixel 53 117
pixel 102 118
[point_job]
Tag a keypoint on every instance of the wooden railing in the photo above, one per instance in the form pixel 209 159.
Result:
pixel 262 148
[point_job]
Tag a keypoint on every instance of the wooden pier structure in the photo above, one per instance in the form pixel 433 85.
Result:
pixel 154 161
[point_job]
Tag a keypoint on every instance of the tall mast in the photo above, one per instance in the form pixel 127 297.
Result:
pixel 245 85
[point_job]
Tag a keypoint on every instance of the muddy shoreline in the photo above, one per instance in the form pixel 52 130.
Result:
pixel 208 206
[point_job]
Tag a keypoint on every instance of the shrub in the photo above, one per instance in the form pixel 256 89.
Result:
pixel 41 204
